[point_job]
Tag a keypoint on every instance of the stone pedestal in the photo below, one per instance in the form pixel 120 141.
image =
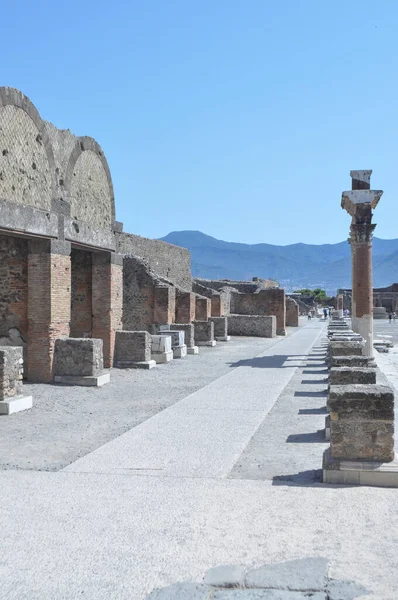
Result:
pixel 161 349
pixel 204 333
pixel 178 345
pixel 344 348
pixel 220 329
pixel 352 375
pixel 189 331
pixel 12 399
pixel 379 312
pixel 79 361
pixel 133 350
pixel 361 436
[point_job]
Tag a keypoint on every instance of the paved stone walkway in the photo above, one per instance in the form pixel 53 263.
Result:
pixel 178 495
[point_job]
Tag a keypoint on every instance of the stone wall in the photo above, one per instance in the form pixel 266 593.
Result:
pixel 292 313
pixel 166 260
pixel 264 302
pixel 147 299
pixel 252 325
pixel 13 288
pixel 245 287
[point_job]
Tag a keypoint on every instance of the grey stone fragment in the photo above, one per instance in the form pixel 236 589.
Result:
pixel 255 594
pixel 307 574
pixel 344 590
pixel 226 576
pixel 183 591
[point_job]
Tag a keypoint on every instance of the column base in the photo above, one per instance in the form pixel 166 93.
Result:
pixel 208 343
pixel 162 357
pixel 193 350
pixel 86 381
pixel 141 364
pixel 359 472
pixel 224 338
pixel 180 351
pixel 16 404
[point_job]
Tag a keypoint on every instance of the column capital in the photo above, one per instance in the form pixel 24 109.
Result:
pixel 361 233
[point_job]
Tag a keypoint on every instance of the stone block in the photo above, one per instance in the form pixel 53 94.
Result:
pixel 78 357
pixel 362 422
pixel 11 371
pixel 252 325
pixel 300 575
pixel 343 348
pixel 161 343
pixel 188 329
pixel 352 375
pixel 327 428
pixel 15 404
pixel 220 328
pixel 133 350
pixel 193 350
pixel 352 361
pixel 177 337
pixel 85 381
pixel 204 333
pixel 180 351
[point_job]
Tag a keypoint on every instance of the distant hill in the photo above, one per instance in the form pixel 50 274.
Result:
pixel 295 266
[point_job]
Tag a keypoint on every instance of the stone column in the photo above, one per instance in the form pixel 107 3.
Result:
pixel 49 304
pixel 340 305
pixel 359 203
pixel 107 300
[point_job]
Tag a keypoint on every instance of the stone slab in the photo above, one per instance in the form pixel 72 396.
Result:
pixel 142 364
pixel 352 375
pixel 182 591
pixel 88 381
pixel 225 338
pixel 368 473
pixel 180 351
pixel 161 343
pixel 226 576
pixel 307 574
pixel 210 343
pixel 15 404
pixel 352 361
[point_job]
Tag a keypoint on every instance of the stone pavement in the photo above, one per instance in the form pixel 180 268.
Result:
pixel 176 496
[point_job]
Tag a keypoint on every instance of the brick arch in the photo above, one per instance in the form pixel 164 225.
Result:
pixel 88 184
pixel 27 166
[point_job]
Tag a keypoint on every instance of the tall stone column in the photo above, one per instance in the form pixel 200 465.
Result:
pixel 359 203
pixel 340 305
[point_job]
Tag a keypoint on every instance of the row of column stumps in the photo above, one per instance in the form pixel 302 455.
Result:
pixel 359 202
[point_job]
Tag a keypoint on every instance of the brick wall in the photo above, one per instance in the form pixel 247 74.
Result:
pixel 49 302
pixel 13 286
pixel 185 307
pixel 107 300
pixel 292 313
pixel 165 305
pixel 81 299
pixel 203 309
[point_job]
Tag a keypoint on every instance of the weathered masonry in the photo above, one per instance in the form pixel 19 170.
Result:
pixel 60 273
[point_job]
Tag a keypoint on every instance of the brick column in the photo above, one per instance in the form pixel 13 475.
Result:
pixel 359 203
pixel 49 302
pixel 107 292
pixel 185 307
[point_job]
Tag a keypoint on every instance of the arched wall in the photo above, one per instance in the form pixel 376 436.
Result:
pixel 26 158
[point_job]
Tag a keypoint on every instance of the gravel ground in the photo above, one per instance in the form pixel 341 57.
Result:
pixel 67 423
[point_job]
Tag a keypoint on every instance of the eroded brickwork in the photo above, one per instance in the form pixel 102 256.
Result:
pixel 13 288
pixel 165 305
pixel 81 299
pixel 185 307
pixel 107 301
pixel 203 309
pixel 292 313
pixel 49 302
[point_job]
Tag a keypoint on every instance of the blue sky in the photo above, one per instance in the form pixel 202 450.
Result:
pixel 241 119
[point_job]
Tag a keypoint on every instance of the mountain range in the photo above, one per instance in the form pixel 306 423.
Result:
pixel 295 266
